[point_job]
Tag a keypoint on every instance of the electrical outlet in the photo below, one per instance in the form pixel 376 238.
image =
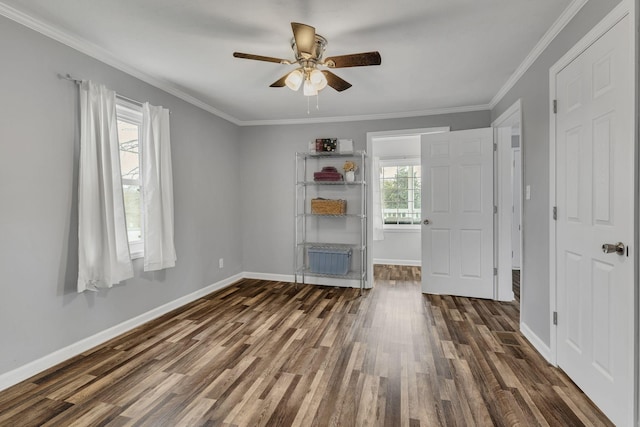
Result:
pixel 221 263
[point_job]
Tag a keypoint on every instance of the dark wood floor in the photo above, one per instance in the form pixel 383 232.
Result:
pixel 515 275
pixel 267 353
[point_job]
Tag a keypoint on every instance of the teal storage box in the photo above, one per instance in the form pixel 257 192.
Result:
pixel 329 260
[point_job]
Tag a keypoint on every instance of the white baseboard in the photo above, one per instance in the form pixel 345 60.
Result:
pixel 536 342
pixel 268 276
pixel 309 280
pixel 407 262
pixel 329 281
pixel 30 369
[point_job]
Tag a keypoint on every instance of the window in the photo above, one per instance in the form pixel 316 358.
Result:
pixel 129 119
pixel 400 186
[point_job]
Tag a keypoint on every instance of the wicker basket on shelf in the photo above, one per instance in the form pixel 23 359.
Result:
pixel 328 207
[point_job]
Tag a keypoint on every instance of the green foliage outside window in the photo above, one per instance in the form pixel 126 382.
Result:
pixel 401 192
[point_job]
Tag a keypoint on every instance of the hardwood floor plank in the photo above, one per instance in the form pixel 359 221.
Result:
pixel 34 412
pixel 194 413
pixel 311 401
pixel 88 415
pixel 271 353
pixel 141 407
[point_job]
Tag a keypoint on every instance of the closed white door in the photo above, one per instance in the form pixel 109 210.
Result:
pixel 516 217
pixel 457 206
pixel 595 206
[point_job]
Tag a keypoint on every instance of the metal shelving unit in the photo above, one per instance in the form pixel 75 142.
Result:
pixel 348 231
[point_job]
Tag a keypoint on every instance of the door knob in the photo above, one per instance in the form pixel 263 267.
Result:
pixel 426 222
pixel 609 248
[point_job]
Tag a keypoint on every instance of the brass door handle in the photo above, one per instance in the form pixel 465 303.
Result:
pixel 426 222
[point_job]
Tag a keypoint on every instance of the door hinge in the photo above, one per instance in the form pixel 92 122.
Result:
pixel 555 106
pixel 555 213
pixel 495 209
pixel 555 317
pixel 495 146
pixel 495 271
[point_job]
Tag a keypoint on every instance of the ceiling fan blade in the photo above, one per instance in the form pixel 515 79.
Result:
pixel 261 58
pixel 354 60
pixel 280 82
pixel 305 37
pixel 336 82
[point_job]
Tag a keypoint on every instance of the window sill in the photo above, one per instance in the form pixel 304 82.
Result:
pixel 401 229
pixel 136 249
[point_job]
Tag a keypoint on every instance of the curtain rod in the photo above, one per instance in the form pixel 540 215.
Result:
pixel 76 81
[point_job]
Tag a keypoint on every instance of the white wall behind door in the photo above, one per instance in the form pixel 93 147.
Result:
pixel 398 248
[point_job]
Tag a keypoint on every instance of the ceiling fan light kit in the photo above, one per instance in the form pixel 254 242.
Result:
pixel 294 80
pixel 308 48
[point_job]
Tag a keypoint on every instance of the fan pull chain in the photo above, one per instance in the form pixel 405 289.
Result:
pixel 308 104
pixel 318 101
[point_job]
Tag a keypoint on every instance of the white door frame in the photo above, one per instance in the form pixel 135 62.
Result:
pixel 503 199
pixel 516 177
pixel 626 7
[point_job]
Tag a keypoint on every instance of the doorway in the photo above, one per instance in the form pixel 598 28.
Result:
pixel 399 243
pixel 509 190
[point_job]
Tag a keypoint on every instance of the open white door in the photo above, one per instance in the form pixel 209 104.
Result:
pixel 457 207
pixel 595 206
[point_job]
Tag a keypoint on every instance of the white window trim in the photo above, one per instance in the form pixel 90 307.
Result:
pixel 400 161
pixel 131 113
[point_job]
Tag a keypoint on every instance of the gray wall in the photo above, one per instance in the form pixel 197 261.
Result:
pixel 40 311
pixel 268 154
pixel 533 90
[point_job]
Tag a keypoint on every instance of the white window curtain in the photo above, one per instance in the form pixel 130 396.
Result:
pixel 157 185
pixel 376 217
pixel 103 245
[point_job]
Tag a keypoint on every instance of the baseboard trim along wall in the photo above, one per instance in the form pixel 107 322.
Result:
pixel 536 342
pixel 404 262
pixel 30 369
pixel 268 276
pixel 311 280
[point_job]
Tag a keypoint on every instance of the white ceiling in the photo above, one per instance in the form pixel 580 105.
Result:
pixel 436 54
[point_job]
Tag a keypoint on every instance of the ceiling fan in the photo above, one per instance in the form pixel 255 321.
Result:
pixel 308 48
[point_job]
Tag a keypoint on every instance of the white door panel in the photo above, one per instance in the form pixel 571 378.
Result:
pixel 457 199
pixel 595 205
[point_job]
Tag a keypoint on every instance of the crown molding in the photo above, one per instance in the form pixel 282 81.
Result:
pixel 401 115
pixel 105 56
pixel 567 15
